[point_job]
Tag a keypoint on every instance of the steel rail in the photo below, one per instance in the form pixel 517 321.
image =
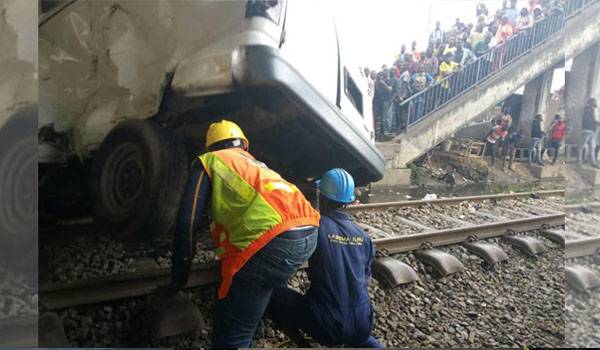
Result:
pixel 457 235
pixel 582 247
pixel 83 292
pixel 452 200
pixel 572 208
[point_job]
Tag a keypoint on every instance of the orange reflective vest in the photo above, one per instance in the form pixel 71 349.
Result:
pixel 250 205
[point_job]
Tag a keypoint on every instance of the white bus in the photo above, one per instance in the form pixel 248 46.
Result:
pixel 18 130
pixel 131 87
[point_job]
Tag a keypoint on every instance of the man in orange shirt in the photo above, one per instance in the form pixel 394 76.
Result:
pixel 262 226
pixel 505 31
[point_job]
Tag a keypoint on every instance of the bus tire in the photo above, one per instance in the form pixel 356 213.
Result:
pixel 137 180
pixel 18 178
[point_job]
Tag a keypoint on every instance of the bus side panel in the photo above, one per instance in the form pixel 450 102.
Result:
pixel 102 62
pixel 311 45
pixel 18 46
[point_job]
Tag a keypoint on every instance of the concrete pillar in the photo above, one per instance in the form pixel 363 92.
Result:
pixel 583 82
pixel 395 174
pixel 535 100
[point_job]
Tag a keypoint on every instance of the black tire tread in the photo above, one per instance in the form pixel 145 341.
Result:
pixel 156 212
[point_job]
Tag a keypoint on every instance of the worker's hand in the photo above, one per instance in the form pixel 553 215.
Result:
pixel 356 202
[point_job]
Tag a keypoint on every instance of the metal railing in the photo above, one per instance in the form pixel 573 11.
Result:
pixel 572 7
pixel 417 107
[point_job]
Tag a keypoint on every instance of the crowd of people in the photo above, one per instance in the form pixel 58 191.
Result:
pixel 447 51
pixel 503 139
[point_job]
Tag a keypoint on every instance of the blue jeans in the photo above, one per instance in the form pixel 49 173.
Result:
pixel 589 143
pixel 535 150
pixel 238 314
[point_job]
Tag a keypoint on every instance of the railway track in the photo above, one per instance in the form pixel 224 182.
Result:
pixel 530 218
pixel 582 273
pixel 582 239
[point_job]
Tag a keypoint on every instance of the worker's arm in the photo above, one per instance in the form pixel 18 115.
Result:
pixel 194 202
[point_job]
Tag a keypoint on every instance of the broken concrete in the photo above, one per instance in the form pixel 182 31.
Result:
pixel 548 171
pixel 589 174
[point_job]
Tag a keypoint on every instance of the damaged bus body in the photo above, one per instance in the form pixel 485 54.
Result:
pixel 18 125
pixel 130 87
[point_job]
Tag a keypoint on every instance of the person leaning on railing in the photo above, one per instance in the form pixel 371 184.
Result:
pixel 447 67
pixel 419 82
pixel 524 20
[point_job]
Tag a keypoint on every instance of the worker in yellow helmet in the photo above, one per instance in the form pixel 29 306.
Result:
pixel 262 226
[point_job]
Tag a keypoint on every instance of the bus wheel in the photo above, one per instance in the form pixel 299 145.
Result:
pixel 18 178
pixel 137 180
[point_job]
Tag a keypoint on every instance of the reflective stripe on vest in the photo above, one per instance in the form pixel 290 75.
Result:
pixel 250 205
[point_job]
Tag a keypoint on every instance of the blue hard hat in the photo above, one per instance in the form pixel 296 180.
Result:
pixel 337 185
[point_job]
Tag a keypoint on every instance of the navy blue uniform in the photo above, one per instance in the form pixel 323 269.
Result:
pixel 336 310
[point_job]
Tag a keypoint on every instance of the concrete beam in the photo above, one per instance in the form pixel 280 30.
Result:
pixel 535 100
pixel 582 31
pixel 581 84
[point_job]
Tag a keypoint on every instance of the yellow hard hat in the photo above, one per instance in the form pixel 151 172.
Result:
pixel 224 130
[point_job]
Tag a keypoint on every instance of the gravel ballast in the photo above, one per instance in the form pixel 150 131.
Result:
pixel 520 303
pixel 89 254
pixel 17 297
pixel 582 310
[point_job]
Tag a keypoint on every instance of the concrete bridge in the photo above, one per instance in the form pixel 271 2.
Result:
pixel 527 60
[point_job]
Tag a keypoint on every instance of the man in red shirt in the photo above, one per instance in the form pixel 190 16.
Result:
pixel 498 132
pixel 557 134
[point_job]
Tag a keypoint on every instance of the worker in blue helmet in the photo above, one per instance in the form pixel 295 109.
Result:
pixel 336 310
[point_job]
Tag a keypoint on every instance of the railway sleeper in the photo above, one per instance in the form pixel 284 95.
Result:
pixel 530 246
pixel 51 331
pixel 556 236
pixel 392 272
pixel 441 262
pixel 490 253
pixel 581 278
